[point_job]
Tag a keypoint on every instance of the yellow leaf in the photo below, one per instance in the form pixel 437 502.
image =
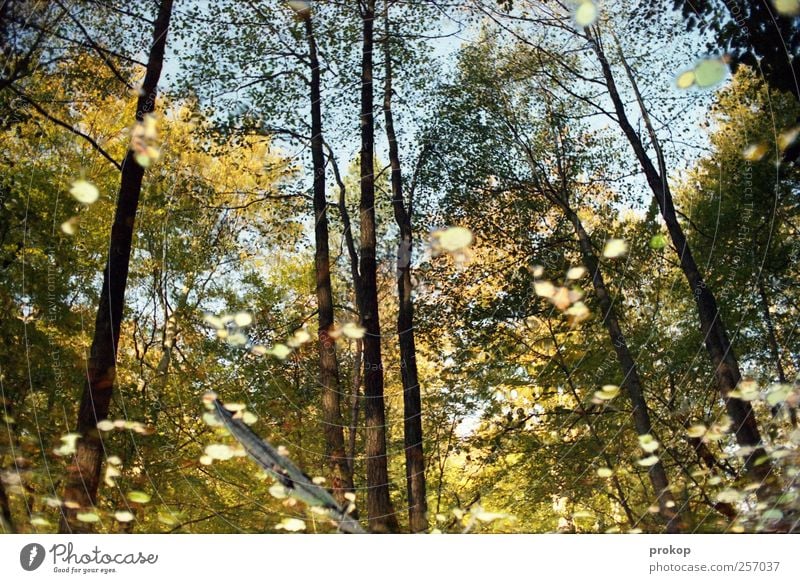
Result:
pixel 84 192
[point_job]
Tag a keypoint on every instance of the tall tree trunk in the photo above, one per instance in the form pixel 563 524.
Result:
pixel 379 506
pixel 718 346
pixel 83 475
pixel 412 403
pixel 630 375
pixel 341 477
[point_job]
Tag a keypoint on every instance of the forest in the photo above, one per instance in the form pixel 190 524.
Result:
pixel 399 266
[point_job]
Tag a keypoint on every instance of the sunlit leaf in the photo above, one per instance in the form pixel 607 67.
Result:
pixel 249 418
pixel 544 289
pixel 84 192
pixel 139 497
pixel 648 461
pixel 730 496
pixel 211 420
pixel 685 80
pixel 242 319
pixel 787 7
pixel 219 451
pixel 353 330
pixel 484 516
pixel 236 339
pixel 607 393
pixel 710 72
pixel 605 472
pixel 123 516
pixel 648 443
pixel 280 351
pixel 70 226
pixel 214 321
pixel 105 425
pixel 778 393
pixel 88 516
pixel 301 7
pixel 755 152
pixel 291 525
pixel 697 430
pixel 561 298
pixel 658 242
pixel 575 273
pixel 747 390
pixel 455 239
pixel 39 521
pixel 586 13
pixel 142 159
pixel 167 518
pixel 615 248
pixel 111 473
pixel 578 312
pixel 259 350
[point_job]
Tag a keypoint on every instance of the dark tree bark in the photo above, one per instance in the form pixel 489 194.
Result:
pixel 341 477
pixel 718 345
pixel 558 194
pixel 6 520
pixel 83 475
pixel 630 375
pixel 412 403
pixel 379 506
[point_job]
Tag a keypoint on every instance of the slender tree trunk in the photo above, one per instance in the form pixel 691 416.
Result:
pixel 630 374
pixel 718 346
pixel 341 478
pixel 412 402
pixel 379 506
pixel 83 475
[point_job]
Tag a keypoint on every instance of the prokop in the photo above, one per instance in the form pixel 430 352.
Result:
pixel 670 550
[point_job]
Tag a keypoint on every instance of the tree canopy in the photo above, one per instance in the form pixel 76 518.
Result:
pixel 386 266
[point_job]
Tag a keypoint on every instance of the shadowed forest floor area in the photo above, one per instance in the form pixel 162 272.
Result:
pixel 491 266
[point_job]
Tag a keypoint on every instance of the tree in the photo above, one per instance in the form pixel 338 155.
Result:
pixel 379 507
pixel 717 341
pixel 549 162
pixel 81 488
pixel 412 406
pixel 341 473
